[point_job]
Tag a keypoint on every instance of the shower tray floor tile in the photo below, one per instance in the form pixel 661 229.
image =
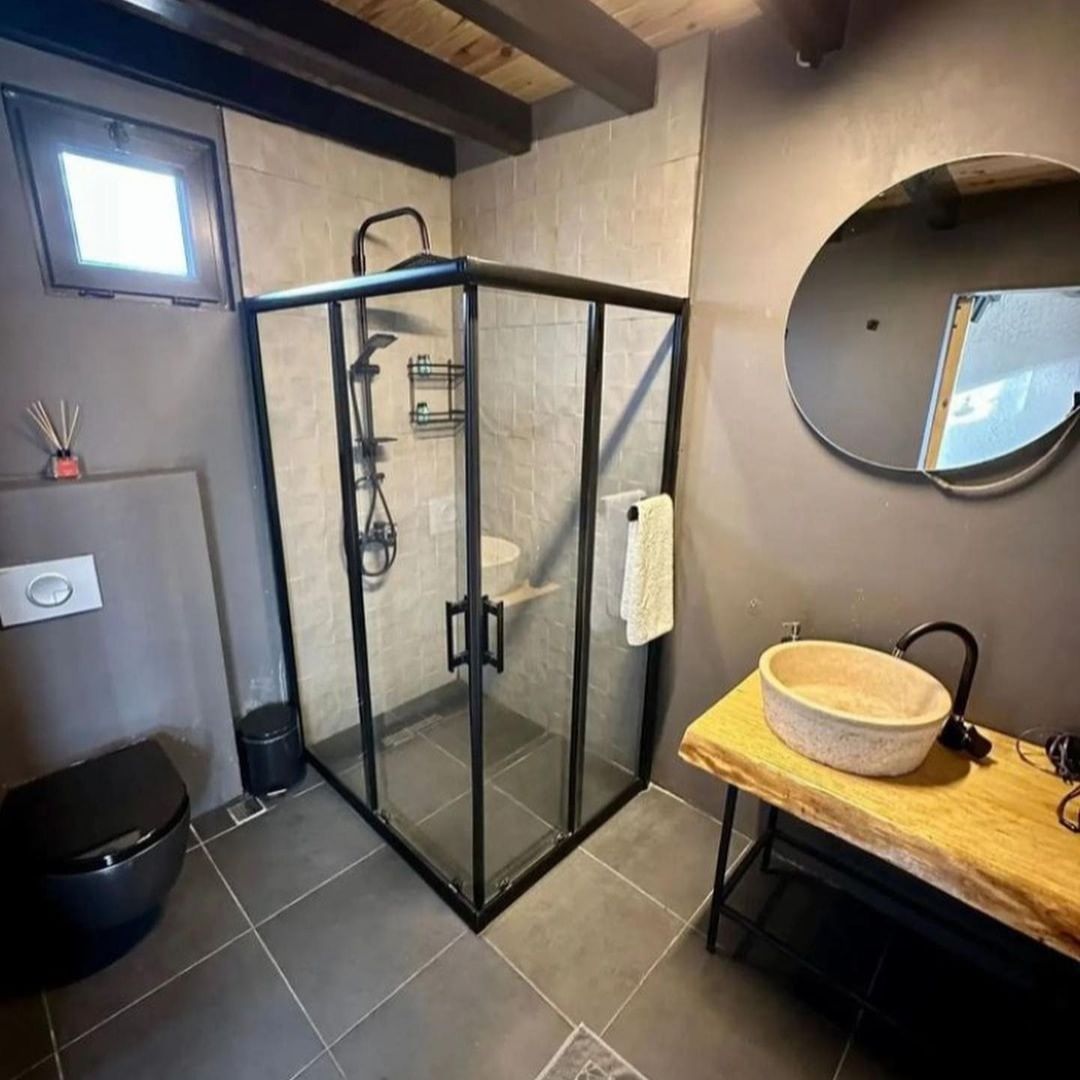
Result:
pixel 538 780
pixel 506 733
pixel 513 837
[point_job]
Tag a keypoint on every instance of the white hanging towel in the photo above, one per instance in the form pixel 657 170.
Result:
pixel 609 564
pixel 648 595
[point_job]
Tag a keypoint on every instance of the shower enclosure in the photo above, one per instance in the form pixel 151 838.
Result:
pixel 475 699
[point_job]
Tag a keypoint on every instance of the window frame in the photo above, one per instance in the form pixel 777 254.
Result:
pixel 42 127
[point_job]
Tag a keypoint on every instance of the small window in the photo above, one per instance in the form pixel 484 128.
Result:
pixel 122 207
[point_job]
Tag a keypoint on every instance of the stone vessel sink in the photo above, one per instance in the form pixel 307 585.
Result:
pixel 854 708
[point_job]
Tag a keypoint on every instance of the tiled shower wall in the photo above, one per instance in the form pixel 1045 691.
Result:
pixel 613 201
pixel 298 201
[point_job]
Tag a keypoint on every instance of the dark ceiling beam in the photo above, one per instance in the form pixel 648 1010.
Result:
pixel 935 193
pixel 812 27
pixel 576 39
pixel 318 42
pixel 132 46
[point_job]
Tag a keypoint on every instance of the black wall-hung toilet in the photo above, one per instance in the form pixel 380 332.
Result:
pixel 99 844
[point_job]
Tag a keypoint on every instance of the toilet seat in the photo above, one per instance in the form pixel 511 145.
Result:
pixel 96 813
pixel 99 843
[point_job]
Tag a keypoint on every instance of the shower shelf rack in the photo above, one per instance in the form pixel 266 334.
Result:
pixel 440 375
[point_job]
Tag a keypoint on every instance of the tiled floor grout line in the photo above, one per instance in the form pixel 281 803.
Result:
pixel 270 956
pixel 871 986
pixel 251 929
pixel 54 1057
pixel 521 975
pixel 525 751
pixel 307 1065
pixel 685 928
pixel 160 986
pixel 520 805
pixel 397 989
pixel 432 813
pixel 732 867
pixel 52 1035
pixel 216 836
pixel 637 888
pixel 315 888
pixel 686 803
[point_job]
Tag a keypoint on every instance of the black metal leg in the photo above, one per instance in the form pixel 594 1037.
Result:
pixel 726 829
pixel 770 831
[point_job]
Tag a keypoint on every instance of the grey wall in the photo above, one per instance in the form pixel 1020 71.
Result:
pixel 868 391
pixel 148 662
pixel 771 524
pixel 160 387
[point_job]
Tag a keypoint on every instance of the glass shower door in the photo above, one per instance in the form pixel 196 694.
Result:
pixel 530 359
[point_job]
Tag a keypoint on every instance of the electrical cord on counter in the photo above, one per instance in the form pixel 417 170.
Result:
pixel 1063 753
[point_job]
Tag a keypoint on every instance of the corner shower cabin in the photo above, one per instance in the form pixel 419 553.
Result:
pixel 451 448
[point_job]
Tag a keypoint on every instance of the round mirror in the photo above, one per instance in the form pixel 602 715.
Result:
pixel 938 329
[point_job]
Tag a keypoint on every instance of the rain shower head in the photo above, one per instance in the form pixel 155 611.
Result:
pixel 372 345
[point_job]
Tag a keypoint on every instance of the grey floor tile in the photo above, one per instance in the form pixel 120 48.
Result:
pixel 340 751
pixel 321 1069
pixel 880 1051
pixel 230 1016
pixel 665 847
pixel 838 932
pixel 278 857
pixel 480 1021
pixel 415 778
pixel 47 1070
pixel 350 943
pixel 505 733
pixel 584 937
pixel 215 822
pixel 700 1016
pixel 513 837
pixel 445 699
pixel 538 779
pixel 24 1030
pixel 197 917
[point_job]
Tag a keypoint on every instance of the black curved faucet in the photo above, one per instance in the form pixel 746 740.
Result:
pixel 957 734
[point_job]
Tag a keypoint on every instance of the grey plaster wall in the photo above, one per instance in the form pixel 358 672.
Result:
pixel 148 662
pixel 160 387
pixel 771 524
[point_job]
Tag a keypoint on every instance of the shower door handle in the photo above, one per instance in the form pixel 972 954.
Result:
pixel 461 607
pixel 494 659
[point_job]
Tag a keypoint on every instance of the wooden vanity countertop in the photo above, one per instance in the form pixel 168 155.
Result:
pixel 986 833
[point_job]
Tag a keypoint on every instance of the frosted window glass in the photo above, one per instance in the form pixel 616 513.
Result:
pixel 1018 377
pixel 125 216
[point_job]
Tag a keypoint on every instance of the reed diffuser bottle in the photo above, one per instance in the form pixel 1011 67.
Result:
pixel 63 463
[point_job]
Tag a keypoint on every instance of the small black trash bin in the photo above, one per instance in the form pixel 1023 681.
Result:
pixel 271 755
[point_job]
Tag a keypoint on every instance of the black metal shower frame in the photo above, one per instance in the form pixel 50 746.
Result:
pixel 470 274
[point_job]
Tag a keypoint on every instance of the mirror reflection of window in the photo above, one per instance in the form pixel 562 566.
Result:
pixel 937 328
pixel 1010 374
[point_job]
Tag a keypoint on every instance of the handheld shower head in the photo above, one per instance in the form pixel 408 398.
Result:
pixel 372 345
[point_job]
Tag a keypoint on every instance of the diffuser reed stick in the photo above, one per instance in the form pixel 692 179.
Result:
pixel 63 464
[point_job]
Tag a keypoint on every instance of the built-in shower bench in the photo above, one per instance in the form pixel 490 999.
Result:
pixel 987 834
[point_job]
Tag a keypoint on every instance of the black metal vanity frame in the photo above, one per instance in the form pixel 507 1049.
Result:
pixel 893 903
pixel 470 274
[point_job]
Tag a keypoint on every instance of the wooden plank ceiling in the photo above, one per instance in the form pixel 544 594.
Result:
pixel 993 172
pixel 440 32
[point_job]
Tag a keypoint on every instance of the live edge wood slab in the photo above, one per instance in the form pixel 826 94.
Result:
pixel 985 833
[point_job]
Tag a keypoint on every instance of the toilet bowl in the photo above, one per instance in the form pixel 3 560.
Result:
pixel 98 844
